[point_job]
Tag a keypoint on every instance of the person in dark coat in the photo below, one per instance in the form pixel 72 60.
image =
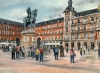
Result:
pixel 13 52
pixel 56 50
pixel 61 51
pixel 81 51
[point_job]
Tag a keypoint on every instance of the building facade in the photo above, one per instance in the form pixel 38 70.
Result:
pixel 75 29
pixel 81 28
pixel 10 31
pixel 50 32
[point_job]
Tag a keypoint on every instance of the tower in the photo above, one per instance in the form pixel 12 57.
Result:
pixel 70 3
pixel 68 14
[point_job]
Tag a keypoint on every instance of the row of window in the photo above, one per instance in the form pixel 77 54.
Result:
pixel 52 26
pixel 80 36
pixel 9 32
pixel 10 27
pixel 84 20
pixel 91 27
pixel 53 32
pixel 85 35
pixel 53 38
pixel 5 38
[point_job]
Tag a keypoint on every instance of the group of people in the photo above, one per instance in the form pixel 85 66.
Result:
pixel 6 48
pixel 83 50
pixel 38 52
pixel 56 51
pixel 32 52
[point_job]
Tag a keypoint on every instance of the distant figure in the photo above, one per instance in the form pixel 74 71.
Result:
pixel 71 56
pixel 81 51
pixel 13 52
pixel 41 54
pixel 37 54
pixel 84 50
pixel 23 51
pixel 61 51
pixel 56 50
pixel 29 52
pixel 88 49
pixel 67 49
pixel 17 51
pixel 33 52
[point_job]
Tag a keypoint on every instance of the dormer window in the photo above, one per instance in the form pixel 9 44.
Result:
pixel 78 20
pixel 92 18
pixel 72 21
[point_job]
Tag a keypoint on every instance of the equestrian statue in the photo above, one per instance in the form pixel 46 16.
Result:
pixel 31 18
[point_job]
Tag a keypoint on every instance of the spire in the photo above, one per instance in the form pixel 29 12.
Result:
pixel 70 3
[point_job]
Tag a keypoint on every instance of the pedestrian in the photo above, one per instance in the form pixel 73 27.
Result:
pixel 61 51
pixel 37 54
pixel 32 51
pixel 17 51
pixel 88 49
pixel 29 52
pixel 84 50
pixel 20 52
pixel 81 51
pixel 23 51
pixel 67 49
pixel 13 52
pixel 41 54
pixel 72 56
pixel 56 50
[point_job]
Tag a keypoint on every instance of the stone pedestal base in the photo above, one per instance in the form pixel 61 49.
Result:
pixel 28 40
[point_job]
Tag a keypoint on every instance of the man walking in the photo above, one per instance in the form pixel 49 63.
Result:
pixel 41 54
pixel 13 52
pixel 56 50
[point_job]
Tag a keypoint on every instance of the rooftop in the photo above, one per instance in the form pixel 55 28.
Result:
pixel 5 21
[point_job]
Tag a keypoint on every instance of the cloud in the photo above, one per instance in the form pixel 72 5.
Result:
pixel 47 9
pixel 82 5
pixel 18 14
pixel 57 12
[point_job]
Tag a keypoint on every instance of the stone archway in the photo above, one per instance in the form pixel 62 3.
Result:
pixel 17 41
pixel 38 42
pixel 92 45
pixel 78 45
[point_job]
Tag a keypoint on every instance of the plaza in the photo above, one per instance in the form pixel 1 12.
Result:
pixel 77 31
pixel 86 63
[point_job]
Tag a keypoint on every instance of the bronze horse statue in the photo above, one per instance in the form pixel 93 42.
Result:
pixel 31 18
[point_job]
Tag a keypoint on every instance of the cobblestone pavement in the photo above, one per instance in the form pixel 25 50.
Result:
pixel 85 64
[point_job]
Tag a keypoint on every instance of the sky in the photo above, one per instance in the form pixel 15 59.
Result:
pixel 15 10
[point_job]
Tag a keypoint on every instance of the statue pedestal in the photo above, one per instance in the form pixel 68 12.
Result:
pixel 28 39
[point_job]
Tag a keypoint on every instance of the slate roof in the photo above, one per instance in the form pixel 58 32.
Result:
pixel 50 21
pixel 9 22
pixel 87 12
